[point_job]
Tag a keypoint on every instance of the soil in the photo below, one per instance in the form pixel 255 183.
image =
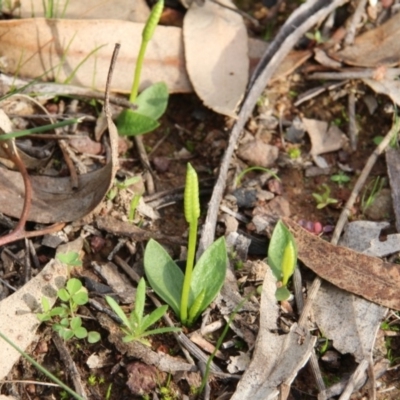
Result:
pixel 191 132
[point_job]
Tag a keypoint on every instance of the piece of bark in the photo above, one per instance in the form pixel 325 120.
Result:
pixel 366 276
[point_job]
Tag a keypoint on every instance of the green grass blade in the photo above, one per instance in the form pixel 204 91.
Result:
pixel 41 369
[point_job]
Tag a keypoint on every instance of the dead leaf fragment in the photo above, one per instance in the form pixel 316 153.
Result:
pixel 375 47
pixel 390 88
pixel 323 140
pixel 366 276
pixel 276 358
pixel 216 51
pixel 17 312
pixel 258 153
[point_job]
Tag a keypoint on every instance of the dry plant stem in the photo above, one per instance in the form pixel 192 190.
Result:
pixel 391 73
pixel 18 232
pixel 27 263
pixel 355 20
pixel 352 384
pixel 352 120
pixel 70 365
pixel 146 163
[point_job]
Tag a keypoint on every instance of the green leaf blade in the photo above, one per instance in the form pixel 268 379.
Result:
pixel 209 273
pixel 118 310
pixel 153 101
pixel 164 276
pixel 152 318
pixel 131 123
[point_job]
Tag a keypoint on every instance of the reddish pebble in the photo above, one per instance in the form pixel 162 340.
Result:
pixel 317 228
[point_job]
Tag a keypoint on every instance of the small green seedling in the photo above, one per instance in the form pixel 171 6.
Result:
pixel 191 293
pixel 282 258
pixel 64 319
pixel 135 327
pixel 152 102
pixel 340 178
pixel 323 199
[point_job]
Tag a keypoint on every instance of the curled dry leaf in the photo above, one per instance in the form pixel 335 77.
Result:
pixel 216 51
pixel 54 199
pixel 375 280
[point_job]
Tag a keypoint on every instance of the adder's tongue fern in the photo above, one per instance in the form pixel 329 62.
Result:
pixel 147 34
pixel 192 214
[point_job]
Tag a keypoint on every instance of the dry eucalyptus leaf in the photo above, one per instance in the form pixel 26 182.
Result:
pixel 131 10
pixel 17 312
pixel 216 51
pixel 366 276
pixel 276 358
pixel 350 321
pixel 55 48
pixel 374 48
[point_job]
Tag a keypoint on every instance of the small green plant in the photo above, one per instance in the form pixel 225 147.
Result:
pixel 64 318
pixel 152 102
pixel 316 36
pixel 282 258
pixel 294 152
pixel 324 198
pixel 371 191
pixel 188 294
pixel 135 327
pixel 340 178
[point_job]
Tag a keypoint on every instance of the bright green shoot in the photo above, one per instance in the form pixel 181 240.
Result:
pixel 340 178
pixel 135 327
pixel 323 199
pixel 191 293
pixel 152 102
pixel 282 258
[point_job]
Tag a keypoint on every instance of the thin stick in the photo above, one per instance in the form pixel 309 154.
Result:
pixel 361 181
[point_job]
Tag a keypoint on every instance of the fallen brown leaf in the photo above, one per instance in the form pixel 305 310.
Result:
pixel 374 48
pixel 216 54
pixel 366 276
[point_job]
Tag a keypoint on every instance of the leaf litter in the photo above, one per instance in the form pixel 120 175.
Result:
pixel 282 366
